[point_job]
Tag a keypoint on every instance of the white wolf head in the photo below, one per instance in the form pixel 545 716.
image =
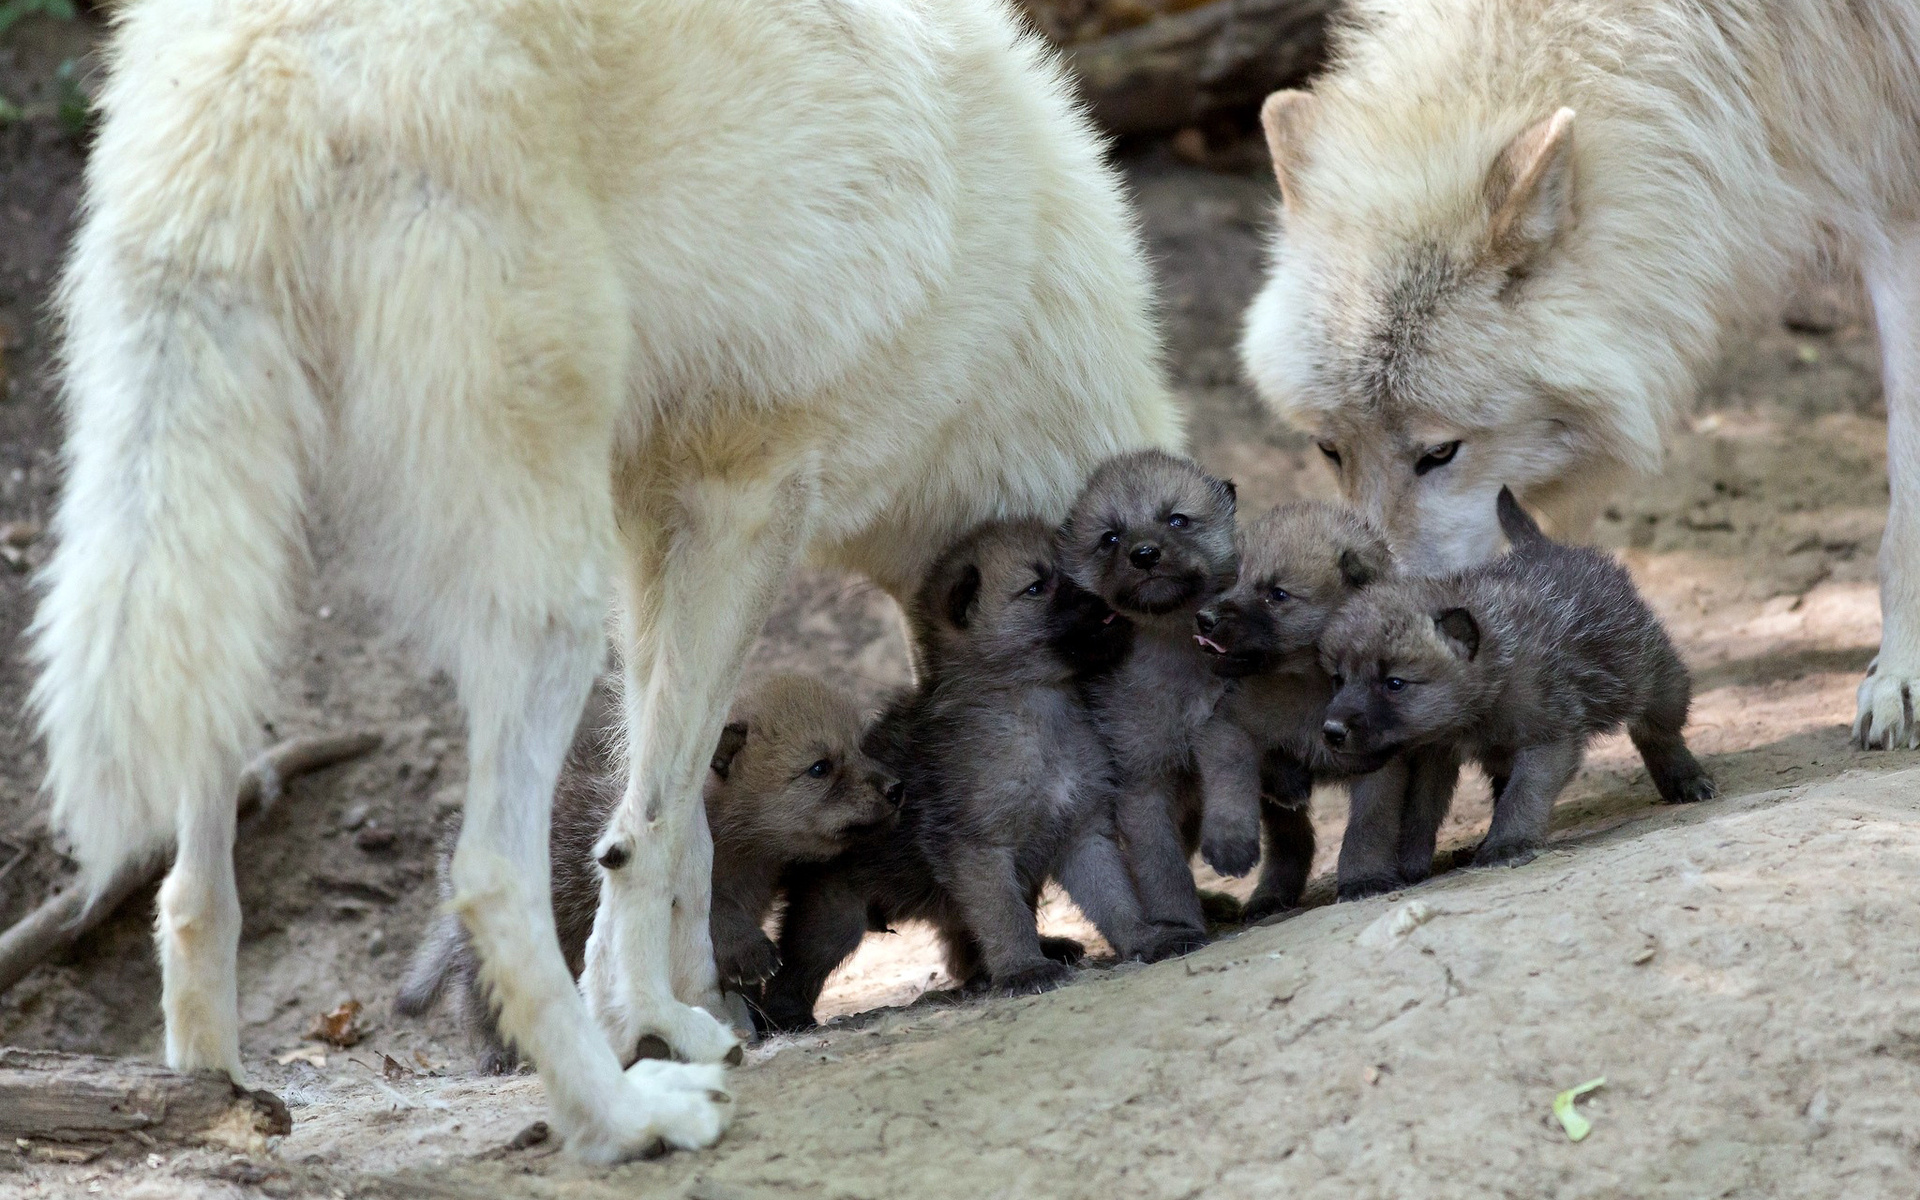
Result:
pixel 1395 326
pixel 1464 292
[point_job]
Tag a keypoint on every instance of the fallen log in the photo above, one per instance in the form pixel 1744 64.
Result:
pixel 1177 69
pixel 67 916
pixel 76 1103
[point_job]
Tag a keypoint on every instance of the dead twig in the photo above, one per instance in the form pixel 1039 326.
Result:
pixel 66 917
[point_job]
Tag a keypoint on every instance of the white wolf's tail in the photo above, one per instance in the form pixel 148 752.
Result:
pixel 178 529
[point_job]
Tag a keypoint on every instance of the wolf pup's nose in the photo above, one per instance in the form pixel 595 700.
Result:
pixel 1144 556
pixel 1335 732
pixel 1207 620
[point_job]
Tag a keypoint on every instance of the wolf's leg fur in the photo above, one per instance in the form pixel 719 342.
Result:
pixel 1658 735
pixel 707 555
pixel 1370 852
pixel 1230 782
pixel 1094 873
pixel 824 924
pixel 1886 717
pixel 1287 830
pixel 1520 815
pixel 1169 899
pixel 1433 774
pixel 985 884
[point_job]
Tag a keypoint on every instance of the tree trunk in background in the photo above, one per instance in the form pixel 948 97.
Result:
pixel 1147 66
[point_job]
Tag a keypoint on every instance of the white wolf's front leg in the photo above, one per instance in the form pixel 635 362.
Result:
pixel 1885 718
pixel 707 565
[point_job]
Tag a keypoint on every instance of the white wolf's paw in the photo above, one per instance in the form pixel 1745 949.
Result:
pixel 673 1030
pixel 659 1106
pixel 1885 710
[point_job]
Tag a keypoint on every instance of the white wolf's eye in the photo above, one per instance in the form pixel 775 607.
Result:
pixel 1436 456
pixel 1332 453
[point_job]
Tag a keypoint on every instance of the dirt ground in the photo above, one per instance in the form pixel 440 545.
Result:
pixel 1737 971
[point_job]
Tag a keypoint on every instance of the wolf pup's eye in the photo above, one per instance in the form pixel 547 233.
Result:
pixel 1339 681
pixel 1395 683
pixel 1333 454
pixel 821 769
pixel 1436 456
pixel 1109 538
pixel 1278 594
pixel 1178 520
pixel 1035 588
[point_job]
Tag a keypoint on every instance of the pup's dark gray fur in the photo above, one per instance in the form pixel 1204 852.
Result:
pixel 1153 535
pixel 1299 565
pixel 1517 663
pixel 789 782
pixel 1008 784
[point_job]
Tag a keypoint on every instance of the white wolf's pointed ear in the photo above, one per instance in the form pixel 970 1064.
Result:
pixel 1529 192
pixel 1288 118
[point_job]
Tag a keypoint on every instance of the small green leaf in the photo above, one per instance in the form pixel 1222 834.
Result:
pixel 75 111
pixel 9 112
pixel 1577 1126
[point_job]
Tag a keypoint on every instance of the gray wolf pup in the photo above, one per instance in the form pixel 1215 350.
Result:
pixel 1008 784
pixel 1519 664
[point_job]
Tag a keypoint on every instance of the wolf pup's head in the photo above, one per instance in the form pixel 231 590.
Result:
pixel 1152 535
pixel 1421 320
pixel 996 603
pixel 789 772
pixel 1299 564
pixel 1409 668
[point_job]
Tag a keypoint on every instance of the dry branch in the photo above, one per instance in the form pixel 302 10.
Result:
pixel 78 1098
pixel 65 918
pixel 1177 69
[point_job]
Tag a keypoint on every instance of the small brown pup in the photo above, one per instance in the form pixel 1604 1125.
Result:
pixel 788 783
pixel 1518 664
pixel 1153 535
pixel 1299 565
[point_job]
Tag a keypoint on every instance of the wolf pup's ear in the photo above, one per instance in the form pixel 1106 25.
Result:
pixel 1288 117
pixel 961 595
pixel 1529 193
pixel 1457 626
pixel 1360 567
pixel 732 738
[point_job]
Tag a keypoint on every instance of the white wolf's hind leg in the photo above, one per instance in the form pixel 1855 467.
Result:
pixel 704 572
pixel 198 934
pixel 1885 717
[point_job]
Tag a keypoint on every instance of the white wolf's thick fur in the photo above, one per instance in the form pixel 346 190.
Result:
pixel 562 302
pixel 1426 289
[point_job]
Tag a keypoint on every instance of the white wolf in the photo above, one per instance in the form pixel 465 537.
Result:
pixel 1514 233
pixel 564 303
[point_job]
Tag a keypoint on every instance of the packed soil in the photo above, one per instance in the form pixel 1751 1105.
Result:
pixel 1742 972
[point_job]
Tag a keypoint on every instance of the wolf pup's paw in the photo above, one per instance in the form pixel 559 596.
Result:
pixel 1028 981
pixel 1885 719
pixel 1510 854
pixel 1261 907
pixel 1232 855
pixel 1063 950
pixel 750 963
pixel 1172 941
pixel 1362 889
pixel 1690 790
